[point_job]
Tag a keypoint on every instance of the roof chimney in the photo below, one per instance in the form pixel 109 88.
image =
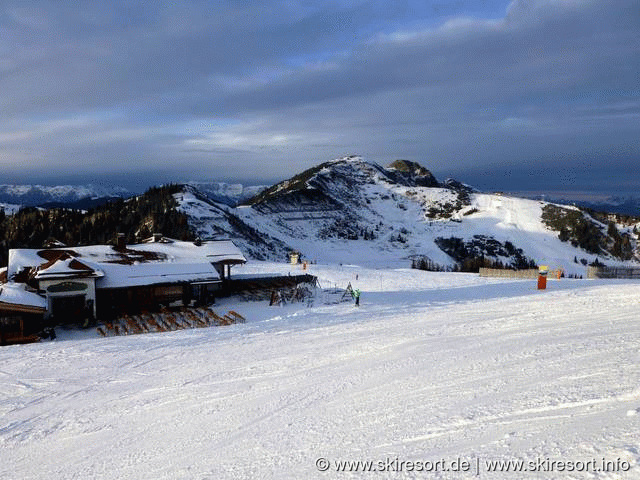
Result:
pixel 157 237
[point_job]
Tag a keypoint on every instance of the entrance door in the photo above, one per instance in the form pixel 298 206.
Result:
pixel 68 309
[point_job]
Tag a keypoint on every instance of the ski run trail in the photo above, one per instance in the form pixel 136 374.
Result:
pixel 435 375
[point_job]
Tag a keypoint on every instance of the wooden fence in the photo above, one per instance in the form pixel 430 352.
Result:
pixel 260 288
pixel 613 272
pixel 505 273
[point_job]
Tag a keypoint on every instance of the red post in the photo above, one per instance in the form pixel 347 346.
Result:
pixel 542 282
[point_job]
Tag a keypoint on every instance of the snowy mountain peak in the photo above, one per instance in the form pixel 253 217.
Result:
pixel 340 181
pixel 413 168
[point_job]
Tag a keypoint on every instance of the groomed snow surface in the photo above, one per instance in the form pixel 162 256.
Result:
pixel 430 367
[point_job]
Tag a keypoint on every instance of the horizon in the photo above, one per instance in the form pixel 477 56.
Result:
pixel 552 194
pixel 483 184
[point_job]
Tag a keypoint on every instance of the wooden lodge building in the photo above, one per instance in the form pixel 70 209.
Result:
pixel 70 285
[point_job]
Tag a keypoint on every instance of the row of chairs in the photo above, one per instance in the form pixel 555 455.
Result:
pixel 167 321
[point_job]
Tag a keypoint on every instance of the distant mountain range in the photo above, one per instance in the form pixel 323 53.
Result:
pixel 227 193
pixel 35 195
pixel 614 204
pixel 622 204
pixel 90 196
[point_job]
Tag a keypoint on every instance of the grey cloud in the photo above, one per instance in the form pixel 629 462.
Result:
pixel 565 57
pixel 205 86
pixel 91 56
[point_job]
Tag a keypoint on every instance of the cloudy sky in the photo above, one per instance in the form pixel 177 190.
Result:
pixel 522 95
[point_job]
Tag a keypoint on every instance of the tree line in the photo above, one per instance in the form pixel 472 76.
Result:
pixel 137 218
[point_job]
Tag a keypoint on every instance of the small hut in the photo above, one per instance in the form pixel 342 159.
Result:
pixel 294 257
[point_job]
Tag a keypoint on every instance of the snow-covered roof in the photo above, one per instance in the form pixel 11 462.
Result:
pixel 165 261
pixel 15 294
pixel 212 251
pixel 118 275
pixel 69 267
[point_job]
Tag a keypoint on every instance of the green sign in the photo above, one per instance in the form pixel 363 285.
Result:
pixel 67 287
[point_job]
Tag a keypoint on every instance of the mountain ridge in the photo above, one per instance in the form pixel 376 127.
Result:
pixel 347 208
pixel 350 210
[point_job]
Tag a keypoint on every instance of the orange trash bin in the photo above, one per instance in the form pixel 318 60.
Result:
pixel 542 277
pixel 542 282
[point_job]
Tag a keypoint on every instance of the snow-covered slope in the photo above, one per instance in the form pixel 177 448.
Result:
pixel 432 367
pixel 350 208
pixel 213 220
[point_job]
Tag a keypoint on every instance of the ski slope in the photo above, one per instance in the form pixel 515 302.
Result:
pixel 431 366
